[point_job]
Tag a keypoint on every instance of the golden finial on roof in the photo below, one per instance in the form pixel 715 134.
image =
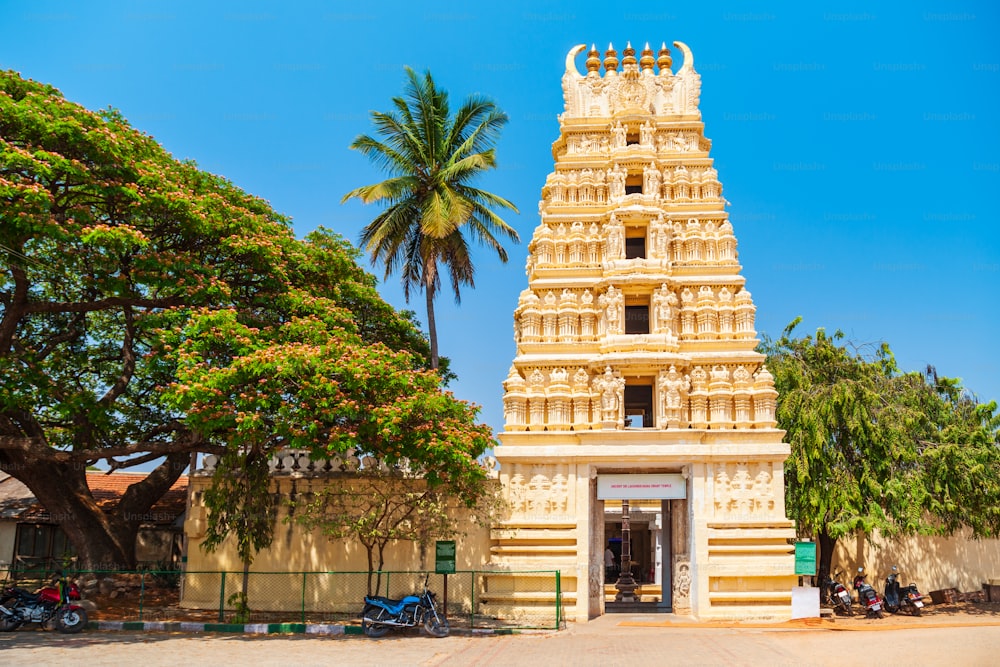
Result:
pixel 646 61
pixel 629 54
pixel 664 61
pixel 610 59
pixel 593 60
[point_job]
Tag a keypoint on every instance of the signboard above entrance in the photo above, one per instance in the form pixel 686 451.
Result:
pixel 641 487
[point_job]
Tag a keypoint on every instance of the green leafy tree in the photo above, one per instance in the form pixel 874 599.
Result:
pixel 105 241
pixel 139 295
pixel 431 207
pixel 875 449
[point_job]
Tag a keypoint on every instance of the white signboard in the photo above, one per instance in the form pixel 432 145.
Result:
pixel 641 487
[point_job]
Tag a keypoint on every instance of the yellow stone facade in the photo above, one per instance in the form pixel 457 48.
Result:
pixel 635 355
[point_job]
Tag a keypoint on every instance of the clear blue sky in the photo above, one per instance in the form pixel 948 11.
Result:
pixel 858 143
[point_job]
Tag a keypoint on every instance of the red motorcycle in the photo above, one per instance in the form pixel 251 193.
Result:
pixel 868 598
pixel 51 606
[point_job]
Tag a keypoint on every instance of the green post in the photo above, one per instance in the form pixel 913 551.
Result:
pixel 304 597
pixel 142 593
pixel 222 597
pixel 558 598
pixel 472 614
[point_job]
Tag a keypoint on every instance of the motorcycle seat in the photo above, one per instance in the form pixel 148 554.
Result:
pixel 23 593
pixel 380 599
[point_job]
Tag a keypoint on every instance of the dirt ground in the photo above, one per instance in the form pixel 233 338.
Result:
pixel 931 614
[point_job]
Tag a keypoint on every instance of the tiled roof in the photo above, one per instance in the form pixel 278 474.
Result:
pixel 17 501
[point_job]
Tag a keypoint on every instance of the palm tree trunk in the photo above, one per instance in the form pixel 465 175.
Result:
pixel 431 273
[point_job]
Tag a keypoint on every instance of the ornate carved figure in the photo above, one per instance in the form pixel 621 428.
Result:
pixel 651 180
pixel 682 584
pixel 616 182
pixel 673 388
pixel 646 134
pixel 618 135
pixel 612 303
pixel 614 231
pixel 612 391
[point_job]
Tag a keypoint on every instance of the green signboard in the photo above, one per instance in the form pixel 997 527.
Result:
pixel 805 558
pixel 444 557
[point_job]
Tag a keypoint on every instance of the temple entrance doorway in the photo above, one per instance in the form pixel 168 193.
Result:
pixel 638 540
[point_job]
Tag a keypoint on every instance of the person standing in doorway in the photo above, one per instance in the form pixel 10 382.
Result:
pixel 609 564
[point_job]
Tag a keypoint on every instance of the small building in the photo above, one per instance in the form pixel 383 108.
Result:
pixel 30 540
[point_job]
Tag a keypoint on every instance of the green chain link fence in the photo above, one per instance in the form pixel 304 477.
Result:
pixel 474 598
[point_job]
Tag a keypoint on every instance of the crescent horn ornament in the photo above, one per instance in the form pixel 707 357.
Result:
pixel 688 56
pixel 571 60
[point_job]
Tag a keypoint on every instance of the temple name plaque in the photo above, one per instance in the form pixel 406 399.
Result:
pixel 641 487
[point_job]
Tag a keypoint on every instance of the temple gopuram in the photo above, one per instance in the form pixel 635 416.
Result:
pixel 640 454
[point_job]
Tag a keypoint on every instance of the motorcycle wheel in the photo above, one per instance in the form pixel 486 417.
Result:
pixel 8 624
pixel 71 621
pixel 370 621
pixel 879 614
pixel 436 627
pixel 915 611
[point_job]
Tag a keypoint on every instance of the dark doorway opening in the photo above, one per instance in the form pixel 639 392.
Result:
pixel 639 406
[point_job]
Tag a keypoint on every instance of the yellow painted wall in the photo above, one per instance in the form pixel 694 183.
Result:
pixel 933 563
pixel 296 550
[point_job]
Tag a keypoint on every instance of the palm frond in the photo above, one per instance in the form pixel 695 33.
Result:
pixel 431 212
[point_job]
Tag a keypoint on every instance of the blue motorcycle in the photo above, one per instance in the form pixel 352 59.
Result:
pixel 382 614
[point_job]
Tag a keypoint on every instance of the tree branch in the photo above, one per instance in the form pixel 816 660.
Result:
pixel 104 304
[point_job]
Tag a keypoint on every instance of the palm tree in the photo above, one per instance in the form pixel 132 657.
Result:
pixel 431 210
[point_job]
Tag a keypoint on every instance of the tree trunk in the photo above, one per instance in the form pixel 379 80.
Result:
pixel 826 546
pixel 246 580
pixel 431 322
pixel 371 571
pixel 103 540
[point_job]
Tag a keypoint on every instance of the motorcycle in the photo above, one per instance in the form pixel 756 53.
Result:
pixel 901 598
pixel 836 595
pixel 51 606
pixel 868 597
pixel 382 614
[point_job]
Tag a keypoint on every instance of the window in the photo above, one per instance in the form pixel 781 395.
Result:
pixel 638 405
pixel 40 545
pixel 635 247
pixel 637 319
pixel 633 184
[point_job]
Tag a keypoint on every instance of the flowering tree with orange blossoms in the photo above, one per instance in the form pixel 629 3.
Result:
pixel 150 310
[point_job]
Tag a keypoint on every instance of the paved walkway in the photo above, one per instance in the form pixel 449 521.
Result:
pixel 638 640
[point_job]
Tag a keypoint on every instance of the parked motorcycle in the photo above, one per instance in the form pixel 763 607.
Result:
pixel 382 614
pixel 51 606
pixel 868 598
pixel 836 595
pixel 901 598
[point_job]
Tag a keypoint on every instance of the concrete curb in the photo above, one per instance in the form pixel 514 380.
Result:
pixel 268 628
pixel 813 624
pixel 248 628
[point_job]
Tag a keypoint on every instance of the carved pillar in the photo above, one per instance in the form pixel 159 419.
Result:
pixel 626 584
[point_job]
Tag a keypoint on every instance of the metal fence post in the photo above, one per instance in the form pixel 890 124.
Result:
pixel 558 599
pixel 222 596
pixel 304 575
pixel 472 612
pixel 142 593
